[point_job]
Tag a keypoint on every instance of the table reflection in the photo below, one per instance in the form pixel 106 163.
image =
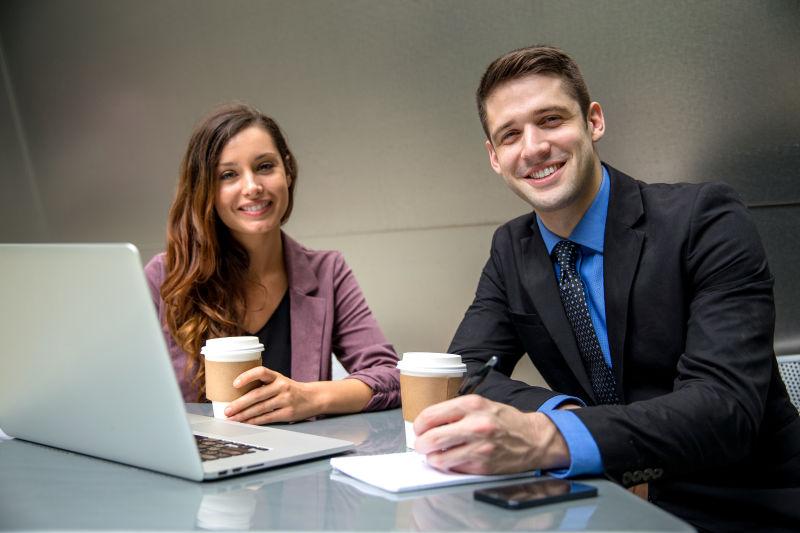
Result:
pixel 461 511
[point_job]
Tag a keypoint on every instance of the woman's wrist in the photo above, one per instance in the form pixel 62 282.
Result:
pixel 340 396
pixel 319 396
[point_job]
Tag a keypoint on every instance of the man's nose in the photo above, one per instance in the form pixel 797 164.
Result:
pixel 535 146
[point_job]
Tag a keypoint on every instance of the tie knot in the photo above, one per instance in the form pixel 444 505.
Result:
pixel 566 253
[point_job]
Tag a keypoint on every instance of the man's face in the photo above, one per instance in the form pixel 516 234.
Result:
pixel 543 147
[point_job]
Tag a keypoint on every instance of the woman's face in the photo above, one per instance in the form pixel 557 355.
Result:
pixel 252 188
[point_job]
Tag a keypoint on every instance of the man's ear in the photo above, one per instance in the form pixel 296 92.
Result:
pixel 597 122
pixel 493 161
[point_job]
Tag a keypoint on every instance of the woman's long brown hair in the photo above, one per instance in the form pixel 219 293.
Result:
pixel 206 269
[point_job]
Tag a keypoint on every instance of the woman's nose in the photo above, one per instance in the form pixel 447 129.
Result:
pixel 252 187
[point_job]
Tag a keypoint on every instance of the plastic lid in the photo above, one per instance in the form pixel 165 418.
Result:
pixel 431 363
pixel 231 346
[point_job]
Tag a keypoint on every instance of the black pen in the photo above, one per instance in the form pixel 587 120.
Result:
pixel 471 383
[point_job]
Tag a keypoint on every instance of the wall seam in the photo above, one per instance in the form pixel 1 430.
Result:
pixel 39 212
pixel 385 231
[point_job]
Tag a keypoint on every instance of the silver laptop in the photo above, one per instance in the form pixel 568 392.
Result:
pixel 84 367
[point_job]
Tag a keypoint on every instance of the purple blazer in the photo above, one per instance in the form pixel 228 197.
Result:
pixel 328 314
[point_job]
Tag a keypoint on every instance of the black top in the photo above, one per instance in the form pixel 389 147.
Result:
pixel 276 336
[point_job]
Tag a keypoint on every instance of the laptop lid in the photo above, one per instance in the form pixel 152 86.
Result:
pixel 84 365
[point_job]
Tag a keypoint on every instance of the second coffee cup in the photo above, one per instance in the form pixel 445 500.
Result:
pixel 226 358
pixel 425 379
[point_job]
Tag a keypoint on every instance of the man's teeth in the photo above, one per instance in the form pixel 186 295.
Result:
pixel 544 172
pixel 256 207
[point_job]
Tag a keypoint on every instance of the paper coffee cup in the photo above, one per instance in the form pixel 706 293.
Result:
pixel 228 511
pixel 226 358
pixel 425 379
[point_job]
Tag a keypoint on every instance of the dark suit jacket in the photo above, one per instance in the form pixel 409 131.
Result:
pixel 689 307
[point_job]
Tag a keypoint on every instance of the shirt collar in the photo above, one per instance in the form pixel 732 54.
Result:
pixel 590 231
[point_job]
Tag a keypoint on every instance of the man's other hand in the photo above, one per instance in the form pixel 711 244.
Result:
pixel 474 435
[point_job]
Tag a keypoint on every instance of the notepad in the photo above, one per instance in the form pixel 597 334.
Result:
pixel 370 490
pixel 401 472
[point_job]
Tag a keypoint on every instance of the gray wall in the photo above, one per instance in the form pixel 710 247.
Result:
pixel 98 99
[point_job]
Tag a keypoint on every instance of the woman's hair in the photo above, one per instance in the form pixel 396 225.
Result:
pixel 206 268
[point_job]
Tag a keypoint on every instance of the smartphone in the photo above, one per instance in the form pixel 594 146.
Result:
pixel 533 493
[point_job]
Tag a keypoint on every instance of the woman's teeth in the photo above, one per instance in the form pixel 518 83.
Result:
pixel 255 207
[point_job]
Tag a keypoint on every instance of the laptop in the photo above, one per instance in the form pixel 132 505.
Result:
pixel 84 367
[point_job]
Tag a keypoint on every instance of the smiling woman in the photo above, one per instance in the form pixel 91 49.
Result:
pixel 230 270
pixel 253 190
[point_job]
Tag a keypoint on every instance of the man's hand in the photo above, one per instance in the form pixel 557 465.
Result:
pixel 474 435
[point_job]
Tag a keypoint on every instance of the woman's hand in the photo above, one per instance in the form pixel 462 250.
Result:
pixel 281 399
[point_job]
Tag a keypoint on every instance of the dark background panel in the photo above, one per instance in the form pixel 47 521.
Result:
pixel 780 233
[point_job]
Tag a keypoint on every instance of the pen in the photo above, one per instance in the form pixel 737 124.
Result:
pixel 471 383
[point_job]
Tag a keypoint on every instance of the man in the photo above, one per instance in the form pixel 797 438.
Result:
pixel 647 308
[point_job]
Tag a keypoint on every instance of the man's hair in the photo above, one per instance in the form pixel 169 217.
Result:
pixel 538 59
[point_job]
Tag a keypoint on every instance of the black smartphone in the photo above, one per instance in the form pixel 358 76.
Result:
pixel 533 493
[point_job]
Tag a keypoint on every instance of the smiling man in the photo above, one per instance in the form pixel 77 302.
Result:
pixel 647 308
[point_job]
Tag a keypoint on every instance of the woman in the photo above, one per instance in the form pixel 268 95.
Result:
pixel 230 270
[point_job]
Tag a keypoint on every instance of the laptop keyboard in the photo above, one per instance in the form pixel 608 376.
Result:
pixel 211 448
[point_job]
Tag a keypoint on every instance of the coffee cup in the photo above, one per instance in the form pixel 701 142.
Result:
pixel 226 358
pixel 232 510
pixel 425 379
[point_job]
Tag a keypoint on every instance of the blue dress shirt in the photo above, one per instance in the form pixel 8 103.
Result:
pixel 590 235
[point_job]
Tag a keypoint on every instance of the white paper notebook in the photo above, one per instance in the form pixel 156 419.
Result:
pixel 401 472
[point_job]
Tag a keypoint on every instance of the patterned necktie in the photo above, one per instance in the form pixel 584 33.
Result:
pixel 574 299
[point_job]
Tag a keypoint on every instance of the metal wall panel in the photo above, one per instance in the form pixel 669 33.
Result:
pixel 377 102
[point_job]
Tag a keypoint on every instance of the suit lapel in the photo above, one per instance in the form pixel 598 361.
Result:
pixel 623 248
pixel 538 278
pixel 307 313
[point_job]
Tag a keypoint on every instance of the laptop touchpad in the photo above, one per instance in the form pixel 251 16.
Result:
pixel 224 430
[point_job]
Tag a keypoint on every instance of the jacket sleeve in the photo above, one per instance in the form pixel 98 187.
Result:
pixel 488 329
pixel 713 415
pixel 154 273
pixel 359 343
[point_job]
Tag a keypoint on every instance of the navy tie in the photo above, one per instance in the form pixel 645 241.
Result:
pixel 574 299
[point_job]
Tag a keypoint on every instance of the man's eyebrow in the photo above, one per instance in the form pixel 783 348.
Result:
pixel 541 111
pixel 552 109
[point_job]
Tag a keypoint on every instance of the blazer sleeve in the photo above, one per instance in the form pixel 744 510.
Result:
pixel 713 415
pixel 154 273
pixel 359 343
pixel 488 329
